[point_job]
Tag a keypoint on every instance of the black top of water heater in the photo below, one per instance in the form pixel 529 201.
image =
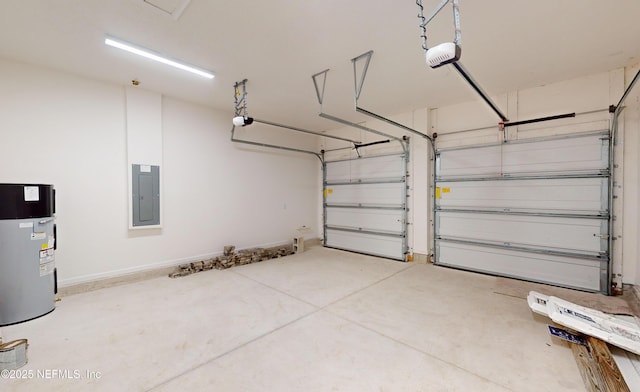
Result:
pixel 23 201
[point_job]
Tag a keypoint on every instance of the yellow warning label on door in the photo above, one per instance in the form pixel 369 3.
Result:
pixel 446 190
pixel 327 192
pixel 437 192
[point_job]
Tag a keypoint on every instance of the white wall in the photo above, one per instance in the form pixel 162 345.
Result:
pixel 68 131
pixel 630 127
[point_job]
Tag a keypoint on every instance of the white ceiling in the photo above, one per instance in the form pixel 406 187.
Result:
pixel 279 44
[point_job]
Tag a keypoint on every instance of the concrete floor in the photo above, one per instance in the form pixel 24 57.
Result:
pixel 324 320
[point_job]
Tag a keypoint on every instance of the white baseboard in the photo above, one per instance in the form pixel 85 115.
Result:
pixel 148 271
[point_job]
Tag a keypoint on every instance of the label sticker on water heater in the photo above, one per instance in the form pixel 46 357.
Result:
pixel 47 269
pixel 38 236
pixel 31 193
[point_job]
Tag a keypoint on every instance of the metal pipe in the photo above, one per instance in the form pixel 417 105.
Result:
pixel 456 23
pixel 324 201
pixel 626 93
pixel 395 124
pixel 233 139
pixel 435 12
pixel 612 142
pixel 362 127
pixel 339 149
pixel 539 119
pixel 443 134
pixel 305 131
pixel 467 76
pixel 371 144
pixel 405 209
pixel 592 111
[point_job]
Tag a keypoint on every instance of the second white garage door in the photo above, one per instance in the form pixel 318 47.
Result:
pixel 535 209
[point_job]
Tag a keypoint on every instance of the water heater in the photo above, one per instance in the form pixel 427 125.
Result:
pixel 27 252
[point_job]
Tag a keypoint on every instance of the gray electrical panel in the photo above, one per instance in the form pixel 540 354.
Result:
pixel 145 195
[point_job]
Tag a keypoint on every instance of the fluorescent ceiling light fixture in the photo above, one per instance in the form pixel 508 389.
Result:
pixel 116 43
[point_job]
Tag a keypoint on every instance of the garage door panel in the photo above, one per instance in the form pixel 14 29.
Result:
pixel 584 154
pixel 371 219
pixel 385 167
pixel 572 235
pixel 570 195
pixel 587 153
pixel 385 246
pixel 558 270
pixel 484 161
pixel 366 194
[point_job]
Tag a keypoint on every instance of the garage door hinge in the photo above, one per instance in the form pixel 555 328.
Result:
pixel 602 236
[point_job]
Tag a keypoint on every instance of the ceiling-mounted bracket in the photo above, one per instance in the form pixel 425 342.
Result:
pixel 320 87
pixel 358 89
pixel 439 7
pixel 367 59
pixel 240 117
pixel 319 91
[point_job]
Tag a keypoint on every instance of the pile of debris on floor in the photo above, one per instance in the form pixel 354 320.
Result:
pixel 231 258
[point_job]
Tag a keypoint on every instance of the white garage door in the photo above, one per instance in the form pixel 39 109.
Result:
pixel 365 205
pixel 534 209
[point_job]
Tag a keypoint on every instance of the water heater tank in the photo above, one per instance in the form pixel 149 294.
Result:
pixel 27 252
